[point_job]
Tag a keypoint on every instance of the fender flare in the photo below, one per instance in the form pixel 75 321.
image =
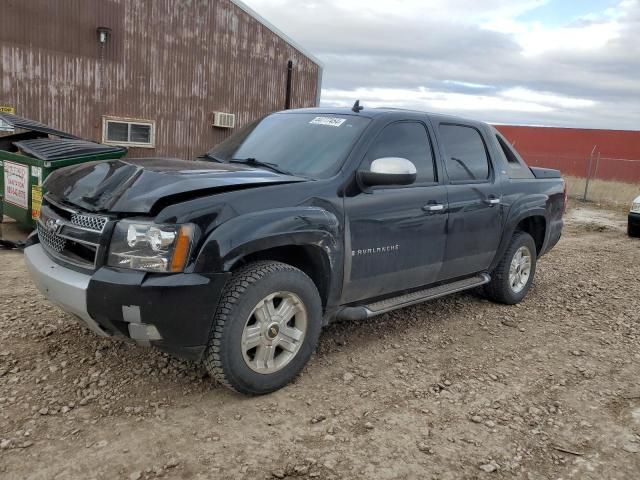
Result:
pixel 531 206
pixel 259 231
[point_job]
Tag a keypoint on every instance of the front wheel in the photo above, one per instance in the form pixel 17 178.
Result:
pixel 265 329
pixel 633 230
pixel 513 277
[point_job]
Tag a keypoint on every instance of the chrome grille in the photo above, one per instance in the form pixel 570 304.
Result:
pixel 51 239
pixel 90 222
pixel 72 236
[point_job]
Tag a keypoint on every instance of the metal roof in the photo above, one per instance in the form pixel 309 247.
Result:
pixel 48 149
pixel 26 124
pixel 277 31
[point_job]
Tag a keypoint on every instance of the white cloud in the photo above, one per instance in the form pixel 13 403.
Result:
pixel 546 98
pixel 518 100
pixel 475 86
pixel 474 58
pixel 536 38
pixel 425 99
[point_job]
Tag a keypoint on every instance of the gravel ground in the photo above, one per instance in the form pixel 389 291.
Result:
pixel 457 388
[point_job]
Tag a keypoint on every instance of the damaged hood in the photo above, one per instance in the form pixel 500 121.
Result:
pixel 135 186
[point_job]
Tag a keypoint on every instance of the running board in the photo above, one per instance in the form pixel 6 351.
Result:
pixel 385 306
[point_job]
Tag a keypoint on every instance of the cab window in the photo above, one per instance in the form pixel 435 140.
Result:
pixel 409 140
pixel 466 156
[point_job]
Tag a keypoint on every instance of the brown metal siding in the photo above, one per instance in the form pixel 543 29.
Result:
pixel 173 62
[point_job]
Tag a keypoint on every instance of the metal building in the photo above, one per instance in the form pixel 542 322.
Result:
pixel 152 75
pixel 583 153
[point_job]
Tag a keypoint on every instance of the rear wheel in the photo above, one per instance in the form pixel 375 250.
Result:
pixel 513 277
pixel 265 329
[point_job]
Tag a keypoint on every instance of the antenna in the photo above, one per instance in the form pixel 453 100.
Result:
pixel 356 107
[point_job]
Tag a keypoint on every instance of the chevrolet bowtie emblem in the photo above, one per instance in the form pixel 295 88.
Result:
pixel 53 225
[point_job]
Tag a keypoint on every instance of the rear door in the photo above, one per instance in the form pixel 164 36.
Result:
pixel 475 196
pixel 396 235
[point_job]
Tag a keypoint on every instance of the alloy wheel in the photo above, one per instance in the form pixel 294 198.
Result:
pixel 274 332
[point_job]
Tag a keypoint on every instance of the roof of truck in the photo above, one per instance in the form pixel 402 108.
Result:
pixel 378 112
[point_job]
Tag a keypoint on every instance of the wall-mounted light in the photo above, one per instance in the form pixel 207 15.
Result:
pixel 103 35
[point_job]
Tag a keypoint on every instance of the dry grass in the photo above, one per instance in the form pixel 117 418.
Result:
pixel 615 194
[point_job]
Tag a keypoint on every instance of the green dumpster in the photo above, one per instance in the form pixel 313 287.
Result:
pixel 27 158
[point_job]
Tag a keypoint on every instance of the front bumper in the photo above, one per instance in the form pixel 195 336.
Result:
pixel 171 312
pixel 62 286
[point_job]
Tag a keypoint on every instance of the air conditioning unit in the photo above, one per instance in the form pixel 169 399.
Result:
pixel 224 120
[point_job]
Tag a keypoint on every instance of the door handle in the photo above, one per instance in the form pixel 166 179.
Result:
pixel 492 202
pixel 433 207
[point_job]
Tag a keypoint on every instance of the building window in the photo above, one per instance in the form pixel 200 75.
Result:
pixel 128 132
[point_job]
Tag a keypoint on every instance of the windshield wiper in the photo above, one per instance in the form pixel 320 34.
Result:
pixel 208 156
pixel 464 166
pixel 257 163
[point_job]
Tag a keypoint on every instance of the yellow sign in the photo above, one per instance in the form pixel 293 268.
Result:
pixel 36 201
pixel 10 110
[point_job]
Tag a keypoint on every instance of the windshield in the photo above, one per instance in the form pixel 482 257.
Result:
pixel 306 144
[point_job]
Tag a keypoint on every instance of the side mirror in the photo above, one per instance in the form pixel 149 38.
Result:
pixel 389 171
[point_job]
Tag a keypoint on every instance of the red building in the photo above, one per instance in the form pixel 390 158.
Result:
pixel 569 150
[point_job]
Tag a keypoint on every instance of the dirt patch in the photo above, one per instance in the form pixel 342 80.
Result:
pixel 454 389
pixel 11 231
pixel 597 219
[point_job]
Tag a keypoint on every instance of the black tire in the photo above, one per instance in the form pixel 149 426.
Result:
pixel 500 289
pixel 1 210
pixel 633 231
pixel 224 358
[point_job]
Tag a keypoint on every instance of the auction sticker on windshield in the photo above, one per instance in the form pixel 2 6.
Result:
pixel 328 121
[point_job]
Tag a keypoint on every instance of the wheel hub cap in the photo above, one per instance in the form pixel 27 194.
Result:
pixel 274 332
pixel 520 270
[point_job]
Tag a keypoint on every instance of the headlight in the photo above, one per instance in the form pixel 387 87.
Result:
pixel 150 247
pixel 635 208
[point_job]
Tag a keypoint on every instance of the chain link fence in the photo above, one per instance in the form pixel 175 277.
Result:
pixel 594 167
pixel 593 171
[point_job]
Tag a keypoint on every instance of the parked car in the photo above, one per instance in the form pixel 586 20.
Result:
pixel 305 217
pixel 633 227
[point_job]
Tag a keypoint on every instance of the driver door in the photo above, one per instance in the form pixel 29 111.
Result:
pixel 395 236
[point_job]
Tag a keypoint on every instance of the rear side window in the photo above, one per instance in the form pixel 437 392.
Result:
pixel 515 166
pixel 408 140
pixel 508 153
pixel 465 153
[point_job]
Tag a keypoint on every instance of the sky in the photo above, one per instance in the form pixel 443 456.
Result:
pixel 567 63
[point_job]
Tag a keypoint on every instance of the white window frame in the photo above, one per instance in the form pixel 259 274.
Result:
pixel 130 121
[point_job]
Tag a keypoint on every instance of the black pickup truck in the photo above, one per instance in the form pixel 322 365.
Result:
pixel 238 259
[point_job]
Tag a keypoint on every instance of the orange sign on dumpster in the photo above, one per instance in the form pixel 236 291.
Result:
pixel 36 201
